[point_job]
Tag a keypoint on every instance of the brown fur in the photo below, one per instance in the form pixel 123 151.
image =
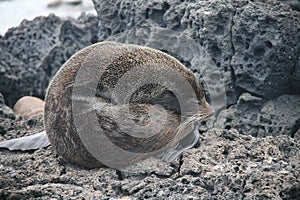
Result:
pixel 59 122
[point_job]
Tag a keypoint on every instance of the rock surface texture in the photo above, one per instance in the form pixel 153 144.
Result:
pixel 32 53
pixel 249 58
pixel 224 165
pixel 254 44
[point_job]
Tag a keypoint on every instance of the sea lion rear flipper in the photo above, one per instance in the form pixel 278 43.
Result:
pixel 31 142
pixel 186 143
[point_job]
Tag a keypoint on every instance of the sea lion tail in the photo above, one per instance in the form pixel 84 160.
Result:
pixel 31 142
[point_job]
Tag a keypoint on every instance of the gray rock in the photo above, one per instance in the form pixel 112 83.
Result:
pixel 294 4
pixel 32 53
pixel 225 165
pixel 280 116
pixel 11 71
pixel 254 45
pixel 257 117
pixel 257 161
pixel 266 50
pixel 7 117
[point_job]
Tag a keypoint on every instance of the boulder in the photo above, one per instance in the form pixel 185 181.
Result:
pixel 254 44
pixel 32 53
pixel 260 118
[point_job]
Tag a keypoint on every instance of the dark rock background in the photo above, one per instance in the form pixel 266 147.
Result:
pixel 32 53
pixel 294 4
pixel 251 149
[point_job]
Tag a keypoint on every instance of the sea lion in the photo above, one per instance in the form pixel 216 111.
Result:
pixel 121 93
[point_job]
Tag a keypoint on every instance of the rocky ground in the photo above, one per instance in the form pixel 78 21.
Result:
pixel 224 165
pixel 249 150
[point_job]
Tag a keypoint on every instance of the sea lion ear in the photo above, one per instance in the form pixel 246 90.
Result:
pixel 186 143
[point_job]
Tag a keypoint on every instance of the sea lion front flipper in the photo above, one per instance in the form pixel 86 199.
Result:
pixel 31 142
pixel 186 143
